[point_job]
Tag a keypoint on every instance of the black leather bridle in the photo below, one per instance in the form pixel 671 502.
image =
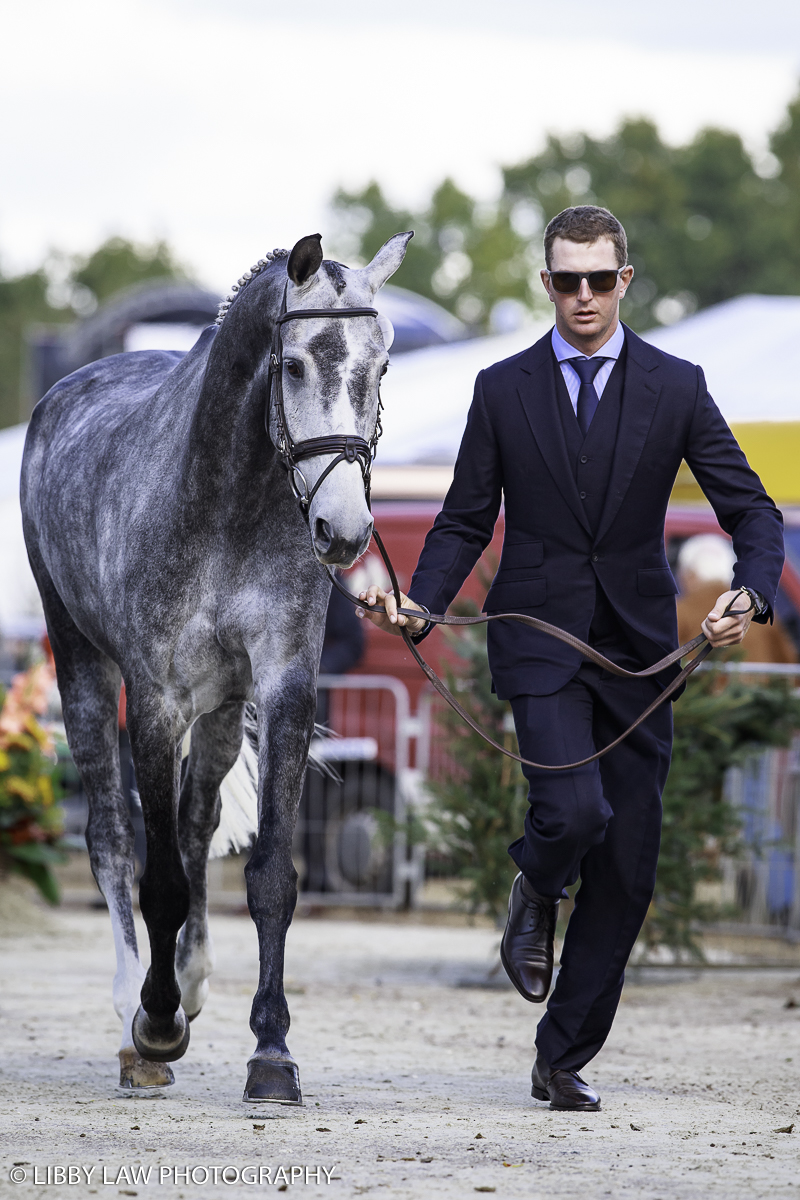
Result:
pixel 347 447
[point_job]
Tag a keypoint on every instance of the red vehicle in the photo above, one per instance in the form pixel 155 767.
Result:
pixel 403 525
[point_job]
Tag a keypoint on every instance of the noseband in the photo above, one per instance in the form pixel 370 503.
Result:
pixel 346 447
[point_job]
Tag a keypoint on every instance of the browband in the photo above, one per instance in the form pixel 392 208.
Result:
pixel 295 314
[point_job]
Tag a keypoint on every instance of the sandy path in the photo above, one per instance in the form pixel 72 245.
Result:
pixel 414 1087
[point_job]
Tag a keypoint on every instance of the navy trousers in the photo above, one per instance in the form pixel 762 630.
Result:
pixel 600 824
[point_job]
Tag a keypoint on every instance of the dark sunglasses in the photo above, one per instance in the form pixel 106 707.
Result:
pixel 567 282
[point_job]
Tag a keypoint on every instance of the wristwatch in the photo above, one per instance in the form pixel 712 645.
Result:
pixel 420 632
pixel 760 605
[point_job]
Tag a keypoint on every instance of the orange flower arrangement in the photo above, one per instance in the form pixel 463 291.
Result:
pixel 30 819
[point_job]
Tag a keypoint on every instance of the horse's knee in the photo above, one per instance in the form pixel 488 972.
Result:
pixel 109 836
pixel 164 899
pixel 271 880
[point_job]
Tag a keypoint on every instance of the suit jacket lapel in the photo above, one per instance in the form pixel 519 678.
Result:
pixel 639 399
pixel 538 395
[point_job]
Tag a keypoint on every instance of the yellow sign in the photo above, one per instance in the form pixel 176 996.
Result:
pixel 773 450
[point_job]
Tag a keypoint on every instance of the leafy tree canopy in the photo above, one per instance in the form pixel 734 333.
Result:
pixel 705 221
pixel 118 264
pixel 63 288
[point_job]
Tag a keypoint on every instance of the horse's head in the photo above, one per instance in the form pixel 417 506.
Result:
pixel 330 373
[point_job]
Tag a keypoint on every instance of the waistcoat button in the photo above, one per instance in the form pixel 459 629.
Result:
pixel 584 458
pixel 583 495
pixel 595 558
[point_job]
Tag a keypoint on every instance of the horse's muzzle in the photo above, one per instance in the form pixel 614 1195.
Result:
pixel 336 550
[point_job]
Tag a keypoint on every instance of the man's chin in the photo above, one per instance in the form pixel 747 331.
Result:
pixel 590 327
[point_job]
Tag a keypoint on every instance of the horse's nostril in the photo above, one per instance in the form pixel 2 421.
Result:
pixel 323 535
pixel 365 540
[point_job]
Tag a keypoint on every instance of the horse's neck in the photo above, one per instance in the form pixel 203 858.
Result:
pixel 229 447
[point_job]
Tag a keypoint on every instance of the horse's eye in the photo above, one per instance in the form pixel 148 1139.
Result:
pixel 384 369
pixel 293 368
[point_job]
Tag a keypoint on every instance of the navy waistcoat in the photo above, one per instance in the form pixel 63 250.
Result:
pixel 592 457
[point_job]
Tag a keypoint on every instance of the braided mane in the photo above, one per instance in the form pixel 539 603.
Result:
pixel 262 263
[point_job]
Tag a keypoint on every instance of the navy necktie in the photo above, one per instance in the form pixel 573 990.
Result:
pixel 588 399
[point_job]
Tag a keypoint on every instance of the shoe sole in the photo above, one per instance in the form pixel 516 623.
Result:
pixel 539 1094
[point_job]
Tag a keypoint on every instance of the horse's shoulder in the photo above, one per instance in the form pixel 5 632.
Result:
pixel 103 390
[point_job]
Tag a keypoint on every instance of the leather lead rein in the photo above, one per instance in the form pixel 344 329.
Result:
pixel 568 638
pixel 351 448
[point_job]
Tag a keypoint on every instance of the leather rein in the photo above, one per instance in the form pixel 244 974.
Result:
pixel 351 448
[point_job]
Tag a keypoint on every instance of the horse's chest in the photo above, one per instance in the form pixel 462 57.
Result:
pixel 204 672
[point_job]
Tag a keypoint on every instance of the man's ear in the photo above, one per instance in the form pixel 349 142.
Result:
pixel 625 278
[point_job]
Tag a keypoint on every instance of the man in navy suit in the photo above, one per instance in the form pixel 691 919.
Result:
pixel 581 436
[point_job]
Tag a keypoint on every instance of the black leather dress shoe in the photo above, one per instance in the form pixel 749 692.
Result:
pixel 526 950
pixel 565 1090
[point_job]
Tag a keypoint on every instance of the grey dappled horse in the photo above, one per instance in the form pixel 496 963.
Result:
pixel 170 551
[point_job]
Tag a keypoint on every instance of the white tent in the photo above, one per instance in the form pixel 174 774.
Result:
pixel 20 607
pixel 747 348
pixel 427 394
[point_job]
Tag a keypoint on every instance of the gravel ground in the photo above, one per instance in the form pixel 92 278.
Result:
pixel 414 1086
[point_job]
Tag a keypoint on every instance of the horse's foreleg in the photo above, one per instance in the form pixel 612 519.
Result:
pixel 160 1026
pixel 216 742
pixel 285 720
pixel 89 684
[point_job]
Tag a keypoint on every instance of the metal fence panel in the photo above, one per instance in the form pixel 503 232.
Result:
pixel 350 845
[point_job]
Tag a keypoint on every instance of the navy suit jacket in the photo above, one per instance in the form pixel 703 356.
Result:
pixel 514 450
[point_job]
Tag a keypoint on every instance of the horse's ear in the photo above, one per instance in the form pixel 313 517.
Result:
pixel 387 260
pixel 305 259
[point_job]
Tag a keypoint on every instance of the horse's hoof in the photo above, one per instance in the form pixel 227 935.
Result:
pixel 138 1077
pixel 270 1081
pixel 160 1040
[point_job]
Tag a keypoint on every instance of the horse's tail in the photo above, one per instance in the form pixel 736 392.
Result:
pixel 238 822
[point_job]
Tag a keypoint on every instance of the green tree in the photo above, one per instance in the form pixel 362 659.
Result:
pixel 63 288
pixel 706 221
pixel 701 221
pixel 781 258
pixel 23 303
pixel 719 723
pixel 465 255
pixel 119 263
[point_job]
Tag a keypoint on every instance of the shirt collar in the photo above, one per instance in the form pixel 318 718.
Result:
pixel 611 349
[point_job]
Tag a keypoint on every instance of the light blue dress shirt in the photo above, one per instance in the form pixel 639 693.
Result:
pixel 563 351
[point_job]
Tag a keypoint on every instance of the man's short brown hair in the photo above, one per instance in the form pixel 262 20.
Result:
pixel 586 223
